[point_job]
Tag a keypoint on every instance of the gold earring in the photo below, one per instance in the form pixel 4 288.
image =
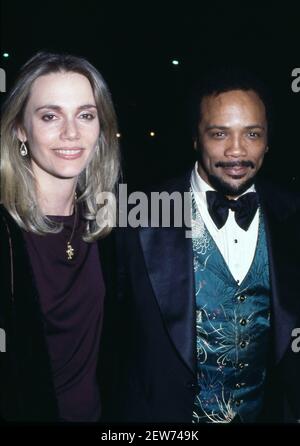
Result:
pixel 23 149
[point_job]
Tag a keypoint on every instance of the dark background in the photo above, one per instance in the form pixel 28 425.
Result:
pixel 133 44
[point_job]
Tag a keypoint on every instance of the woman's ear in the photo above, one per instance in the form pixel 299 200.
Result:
pixel 21 134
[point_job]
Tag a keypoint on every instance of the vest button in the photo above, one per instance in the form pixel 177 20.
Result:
pixel 238 402
pixel 242 298
pixel 241 365
pixel 238 386
pixel 243 322
pixel 243 344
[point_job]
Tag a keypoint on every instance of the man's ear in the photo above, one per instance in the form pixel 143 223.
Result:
pixel 21 134
pixel 195 143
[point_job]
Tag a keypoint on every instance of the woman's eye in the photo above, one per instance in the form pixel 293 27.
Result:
pixel 48 117
pixel 87 116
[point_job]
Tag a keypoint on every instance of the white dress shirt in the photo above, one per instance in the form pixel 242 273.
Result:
pixel 236 245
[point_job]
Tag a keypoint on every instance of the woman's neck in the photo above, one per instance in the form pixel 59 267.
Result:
pixel 57 198
pixel 57 203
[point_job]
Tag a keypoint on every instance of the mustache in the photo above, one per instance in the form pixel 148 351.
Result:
pixel 243 163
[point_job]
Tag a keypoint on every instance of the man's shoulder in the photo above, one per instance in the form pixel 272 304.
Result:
pixel 161 205
pixel 178 183
pixel 279 198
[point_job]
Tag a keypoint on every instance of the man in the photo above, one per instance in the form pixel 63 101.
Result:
pixel 206 321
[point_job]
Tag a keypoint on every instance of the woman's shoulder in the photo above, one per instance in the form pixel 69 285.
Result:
pixel 3 215
pixel 8 226
pixel 4 222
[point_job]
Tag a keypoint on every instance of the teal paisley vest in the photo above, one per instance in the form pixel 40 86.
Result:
pixel 232 322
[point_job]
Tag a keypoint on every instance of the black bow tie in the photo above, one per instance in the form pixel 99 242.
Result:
pixel 244 208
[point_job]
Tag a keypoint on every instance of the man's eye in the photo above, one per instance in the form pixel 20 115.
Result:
pixel 48 117
pixel 254 134
pixel 218 134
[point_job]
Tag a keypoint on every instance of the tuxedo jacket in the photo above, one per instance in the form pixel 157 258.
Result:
pixel 27 391
pixel 154 333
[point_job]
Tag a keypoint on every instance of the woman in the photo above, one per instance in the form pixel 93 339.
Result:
pixel 59 151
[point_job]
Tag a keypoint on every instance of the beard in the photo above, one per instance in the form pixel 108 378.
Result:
pixel 228 189
pixel 225 188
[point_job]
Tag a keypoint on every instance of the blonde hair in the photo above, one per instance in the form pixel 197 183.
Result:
pixel 18 188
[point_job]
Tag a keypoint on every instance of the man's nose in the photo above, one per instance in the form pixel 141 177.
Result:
pixel 236 147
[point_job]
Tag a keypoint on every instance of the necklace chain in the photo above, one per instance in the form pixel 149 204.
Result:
pixel 70 250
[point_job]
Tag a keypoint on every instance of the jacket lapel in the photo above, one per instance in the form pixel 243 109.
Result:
pixel 169 261
pixel 168 256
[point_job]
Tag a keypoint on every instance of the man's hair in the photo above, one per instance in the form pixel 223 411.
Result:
pixel 18 191
pixel 222 80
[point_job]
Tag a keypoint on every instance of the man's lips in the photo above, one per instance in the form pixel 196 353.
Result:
pixel 236 171
pixel 235 168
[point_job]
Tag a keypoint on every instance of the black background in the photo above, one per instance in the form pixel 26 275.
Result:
pixel 133 44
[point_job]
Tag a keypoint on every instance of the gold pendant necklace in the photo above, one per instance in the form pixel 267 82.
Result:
pixel 70 250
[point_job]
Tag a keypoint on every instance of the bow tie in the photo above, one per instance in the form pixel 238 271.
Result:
pixel 244 208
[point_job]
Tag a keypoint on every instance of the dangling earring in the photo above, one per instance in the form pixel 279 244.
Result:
pixel 23 149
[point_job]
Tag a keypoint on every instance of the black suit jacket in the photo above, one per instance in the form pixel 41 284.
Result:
pixel 156 337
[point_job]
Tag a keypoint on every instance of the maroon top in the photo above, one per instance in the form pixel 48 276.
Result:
pixel 71 296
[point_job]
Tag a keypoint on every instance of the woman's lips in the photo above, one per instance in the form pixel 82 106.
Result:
pixel 68 154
